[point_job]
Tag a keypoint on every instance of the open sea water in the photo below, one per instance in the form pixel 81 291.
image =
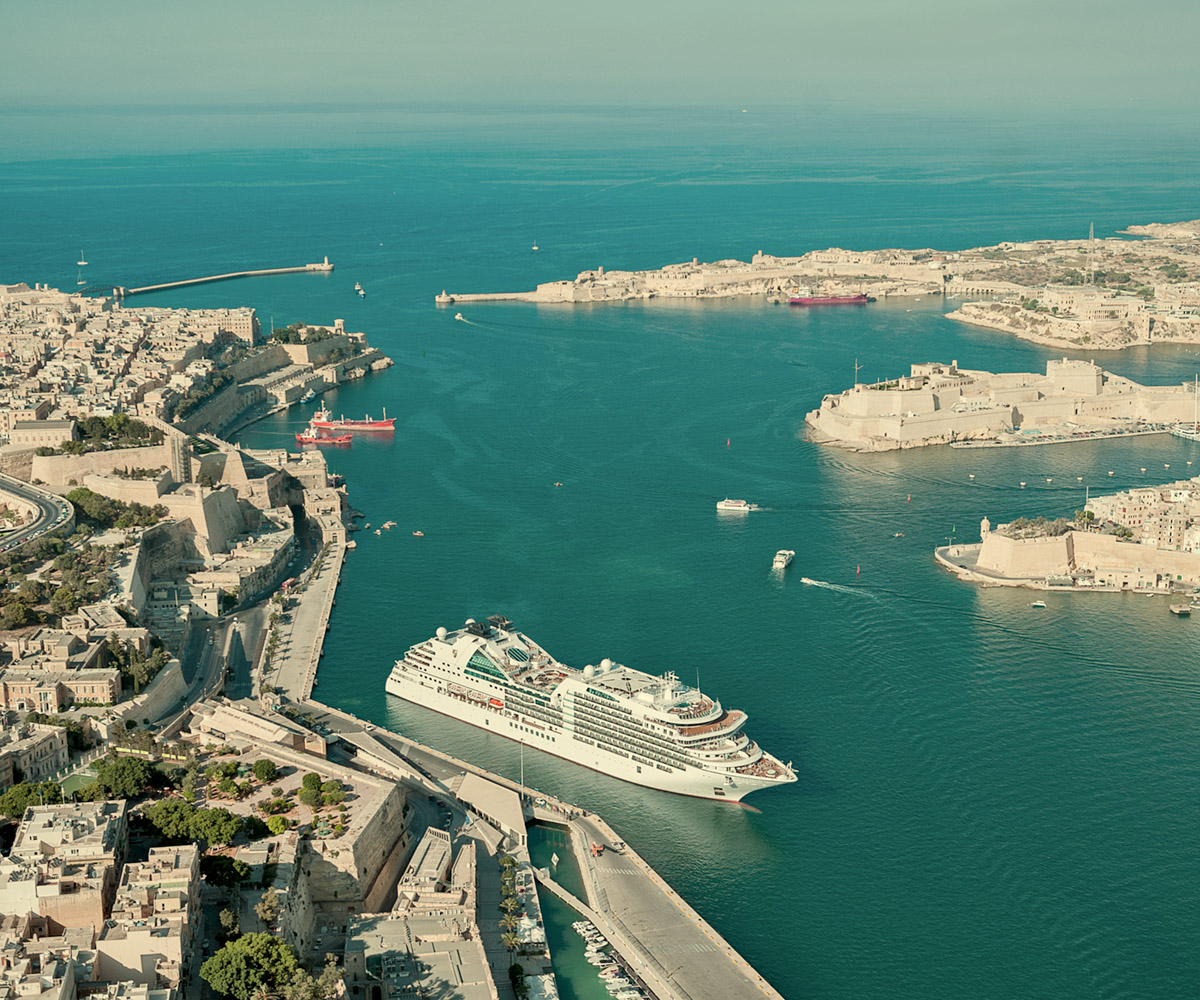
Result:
pixel 994 801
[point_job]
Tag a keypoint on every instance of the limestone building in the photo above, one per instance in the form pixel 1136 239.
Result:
pixel 148 938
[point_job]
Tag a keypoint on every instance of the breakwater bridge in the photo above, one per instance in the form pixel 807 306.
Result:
pixel 120 291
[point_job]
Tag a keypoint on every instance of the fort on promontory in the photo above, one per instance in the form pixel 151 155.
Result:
pixel 944 404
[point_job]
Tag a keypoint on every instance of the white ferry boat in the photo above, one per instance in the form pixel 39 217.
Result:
pixel 783 558
pixel 738 505
pixel 651 731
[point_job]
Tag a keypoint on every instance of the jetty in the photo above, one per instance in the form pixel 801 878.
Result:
pixel 321 267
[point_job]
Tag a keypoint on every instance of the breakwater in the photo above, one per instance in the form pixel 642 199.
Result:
pixel 323 267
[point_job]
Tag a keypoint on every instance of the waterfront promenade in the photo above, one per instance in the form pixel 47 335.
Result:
pixel 303 627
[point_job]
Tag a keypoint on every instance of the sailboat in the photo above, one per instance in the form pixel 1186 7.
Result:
pixel 535 246
pixel 81 263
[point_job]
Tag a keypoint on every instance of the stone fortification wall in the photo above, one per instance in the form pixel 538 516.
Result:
pixel 267 360
pixel 17 463
pixel 881 402
pixel 223 409
pixel 1107 554
pixel 57 471
pixel 143 491
pixel 162 695
pixel 888 433
pixel 316 353
pixel 1112 562
pixel 1026 558
pixel 212 515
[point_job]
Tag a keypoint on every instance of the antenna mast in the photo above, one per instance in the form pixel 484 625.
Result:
pixel 857 369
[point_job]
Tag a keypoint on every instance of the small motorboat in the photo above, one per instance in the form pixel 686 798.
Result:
pixel 1022 484
pixel 418 534
pixel 460 317
pixel 1110 472
pixel 1038 604
pixel 970 475
pixel 378 532
pixel 898 534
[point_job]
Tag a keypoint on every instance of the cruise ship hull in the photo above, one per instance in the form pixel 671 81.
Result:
pixel 423 690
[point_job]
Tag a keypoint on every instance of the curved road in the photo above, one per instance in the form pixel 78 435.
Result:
pixel 53 511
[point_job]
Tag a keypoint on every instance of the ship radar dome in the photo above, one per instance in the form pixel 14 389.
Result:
pixel 469 621
pixel 589 671
pixel 441 632
pixel 606 664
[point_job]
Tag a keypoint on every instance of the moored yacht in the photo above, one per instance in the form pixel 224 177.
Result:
pixel 649 730
pixel 783 558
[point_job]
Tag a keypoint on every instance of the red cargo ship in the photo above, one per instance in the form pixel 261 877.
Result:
pixel 324 420
pixel 826 300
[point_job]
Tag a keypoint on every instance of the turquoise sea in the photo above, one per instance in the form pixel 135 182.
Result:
pixel 994 802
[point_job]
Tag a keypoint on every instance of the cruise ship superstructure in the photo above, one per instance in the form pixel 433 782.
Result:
pixel 652 731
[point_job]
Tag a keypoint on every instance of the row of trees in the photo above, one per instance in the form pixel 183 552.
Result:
pixel 102 512
pixel 298 333
pixel 200 394
pixel 178 821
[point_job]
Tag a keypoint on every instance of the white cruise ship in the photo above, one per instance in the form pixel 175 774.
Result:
pixel 653 731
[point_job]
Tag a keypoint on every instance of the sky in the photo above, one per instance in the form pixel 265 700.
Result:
pixel 956 55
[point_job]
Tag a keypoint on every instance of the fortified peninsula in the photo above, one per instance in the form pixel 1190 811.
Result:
pixel 1145 540
pixel 940 403
pixel 1105 293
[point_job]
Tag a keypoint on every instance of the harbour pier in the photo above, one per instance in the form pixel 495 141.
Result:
pixel 321 267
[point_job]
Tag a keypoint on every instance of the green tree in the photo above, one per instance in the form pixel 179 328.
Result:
pixel 267 908
pixel 265 770
pixel 312 780
pixel 16 614
pixel 215 826
pixel 310 797
pixel 229 922
pixel 254 828
pixel 221 870
pixel 277 824
pixel 20 797
pixel 124 777
pixel 255 965
pixel 172 818
pixel 306 987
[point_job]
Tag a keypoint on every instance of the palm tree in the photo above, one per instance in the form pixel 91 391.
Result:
pixel 510 921
pixel 510 941
pixel 510 903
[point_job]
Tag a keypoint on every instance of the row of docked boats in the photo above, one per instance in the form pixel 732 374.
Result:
pixel 612 974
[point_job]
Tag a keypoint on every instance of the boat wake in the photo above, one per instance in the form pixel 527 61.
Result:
pixel 840 588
